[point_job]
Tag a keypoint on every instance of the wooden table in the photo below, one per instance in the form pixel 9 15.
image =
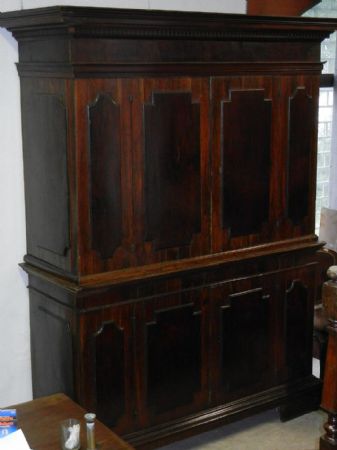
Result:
pixel 40 421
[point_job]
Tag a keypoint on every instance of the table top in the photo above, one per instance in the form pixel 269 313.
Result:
pixel 40 420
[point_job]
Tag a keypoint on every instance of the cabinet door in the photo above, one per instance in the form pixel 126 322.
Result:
pixel 261 333
pixel 106 366
pixel 142 151
pixel 172 356
pixel 263 159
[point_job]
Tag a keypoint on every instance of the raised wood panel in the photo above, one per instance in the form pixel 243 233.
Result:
pixel 246 130
pixel 109 372
pixel 170 144
pixel 106 364
pixel 172 169
pixel 246 340
pixel 301 125
pixel 245 151
pixel 173 358
pixel 47 199
pixel 105 175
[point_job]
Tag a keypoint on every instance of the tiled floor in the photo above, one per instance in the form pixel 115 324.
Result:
pixel 261 432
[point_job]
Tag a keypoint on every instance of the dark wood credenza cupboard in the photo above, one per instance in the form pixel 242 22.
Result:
pixel 170 163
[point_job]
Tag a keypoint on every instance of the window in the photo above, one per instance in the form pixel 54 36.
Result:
pixel 327 8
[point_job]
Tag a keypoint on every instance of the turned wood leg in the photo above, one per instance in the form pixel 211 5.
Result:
pixel 329 396
pixel 329 441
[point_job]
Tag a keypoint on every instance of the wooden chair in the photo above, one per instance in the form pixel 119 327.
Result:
pixel 329 396
pixel 326 259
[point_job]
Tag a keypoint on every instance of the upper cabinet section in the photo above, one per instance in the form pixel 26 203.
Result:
pixel 163 141
pixel 81 42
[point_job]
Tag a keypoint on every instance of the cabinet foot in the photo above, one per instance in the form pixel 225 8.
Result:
pixel 302 404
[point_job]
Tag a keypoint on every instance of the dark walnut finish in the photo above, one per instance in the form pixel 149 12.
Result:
pixel 170 186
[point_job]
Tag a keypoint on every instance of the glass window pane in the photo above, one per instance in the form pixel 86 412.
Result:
pixel 326 8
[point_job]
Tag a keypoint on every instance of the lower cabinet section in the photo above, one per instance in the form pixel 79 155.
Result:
pixel 157 359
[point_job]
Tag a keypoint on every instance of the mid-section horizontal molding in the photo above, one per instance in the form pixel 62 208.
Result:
pixel 175 68
pixel 158 270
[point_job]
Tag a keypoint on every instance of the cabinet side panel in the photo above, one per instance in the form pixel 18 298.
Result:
pixel 51 346
pixel 44 125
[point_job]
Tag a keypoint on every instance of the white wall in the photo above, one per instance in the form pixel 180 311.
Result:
pixel 15 380
pixel 15 375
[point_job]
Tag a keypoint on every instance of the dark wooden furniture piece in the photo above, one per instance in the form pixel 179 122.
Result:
pixel 170 164
pixel 40 422
pixel 329 396
pixel 281 8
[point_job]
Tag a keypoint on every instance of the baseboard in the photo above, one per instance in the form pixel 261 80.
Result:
pixel 292 398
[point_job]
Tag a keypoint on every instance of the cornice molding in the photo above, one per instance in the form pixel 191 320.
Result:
pixel 85 22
